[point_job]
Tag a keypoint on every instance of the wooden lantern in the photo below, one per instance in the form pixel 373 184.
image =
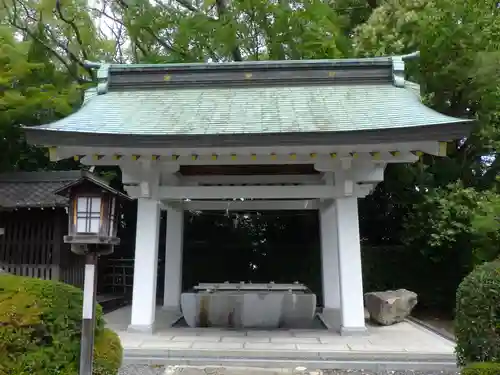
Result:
pixel 94 213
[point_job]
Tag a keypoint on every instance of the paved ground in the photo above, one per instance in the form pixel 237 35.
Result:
pixel 162 370
pixel 403 346
pixel 404 337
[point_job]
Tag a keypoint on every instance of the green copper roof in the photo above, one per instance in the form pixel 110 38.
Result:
pixel 251 110
pixel 252 98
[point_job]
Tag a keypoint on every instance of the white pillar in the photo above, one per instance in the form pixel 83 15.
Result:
pixel 173 258
pixel 330 265
pixel 351 277
pixel 145 265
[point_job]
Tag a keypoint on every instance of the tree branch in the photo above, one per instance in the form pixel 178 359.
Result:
pixel 71 55
pixel 222 14
pixel 150 31
pixel 71 23
pixel 13 17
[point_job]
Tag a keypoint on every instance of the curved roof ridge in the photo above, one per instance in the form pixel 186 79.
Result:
pixel 246 64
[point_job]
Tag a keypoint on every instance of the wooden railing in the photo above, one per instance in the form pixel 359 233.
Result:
pixel 117 276
pixel 74 273
pixel 46 272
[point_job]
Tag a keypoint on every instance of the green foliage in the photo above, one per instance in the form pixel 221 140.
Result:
pixel 447 202
pixel 448 220
pixel 489 220
pixel 393 28
pixel 108 353
pixel 457 71
pixel 30 94
pixel 40 328
pixel 481 368
pixel 477 321
pixel 387 267
pixel 447 232
pixel 44 44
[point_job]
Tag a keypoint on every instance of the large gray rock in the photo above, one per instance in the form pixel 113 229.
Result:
pixel 390 307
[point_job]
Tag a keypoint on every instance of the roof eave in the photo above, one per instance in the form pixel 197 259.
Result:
pixel 433 132
pixel 43 206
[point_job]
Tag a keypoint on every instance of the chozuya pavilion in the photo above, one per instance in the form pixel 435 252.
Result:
pixel 271 135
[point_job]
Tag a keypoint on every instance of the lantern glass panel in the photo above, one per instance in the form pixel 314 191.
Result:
pixel 88 214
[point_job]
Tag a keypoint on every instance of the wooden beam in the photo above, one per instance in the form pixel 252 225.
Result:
pixel 245 192
pixel 262 169
pixel 232 164
pixel 250 180
pixel 259 205
pixel 218 154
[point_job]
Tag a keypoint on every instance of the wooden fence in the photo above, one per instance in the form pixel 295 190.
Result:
pixel 32 245
pixel 46 272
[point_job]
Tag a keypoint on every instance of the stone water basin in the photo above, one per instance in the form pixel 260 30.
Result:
pixel 246 305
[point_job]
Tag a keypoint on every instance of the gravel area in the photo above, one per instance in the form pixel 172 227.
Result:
pixel 141 370
pixel 407 372
pixel 160 370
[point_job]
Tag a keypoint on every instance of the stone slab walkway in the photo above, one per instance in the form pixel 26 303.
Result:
pixel 405 337
pixel 399 347
pixel 403 346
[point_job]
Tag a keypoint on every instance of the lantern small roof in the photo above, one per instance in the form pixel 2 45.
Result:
pixel 85 178
pixel 250 103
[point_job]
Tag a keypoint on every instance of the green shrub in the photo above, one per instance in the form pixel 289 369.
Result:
pixel 40 329
pixel 108 353
pixel 477 321
pixel 482 368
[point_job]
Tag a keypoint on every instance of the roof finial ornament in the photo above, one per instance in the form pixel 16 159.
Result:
pixel 411 56
pixel 91 64
pixel 102 74
pixel 398 67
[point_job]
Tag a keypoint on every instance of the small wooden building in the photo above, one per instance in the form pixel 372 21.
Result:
pixel 33 221
pixel 251 136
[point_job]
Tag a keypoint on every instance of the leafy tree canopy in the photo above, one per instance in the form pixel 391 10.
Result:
pixel 45 43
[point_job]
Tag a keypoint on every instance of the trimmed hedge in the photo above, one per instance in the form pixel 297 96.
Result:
pixel 40 328
pixel 477 321
pixel 482 368
pixel 108 353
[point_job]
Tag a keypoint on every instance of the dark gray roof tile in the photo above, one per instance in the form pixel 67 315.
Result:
pixel 34 189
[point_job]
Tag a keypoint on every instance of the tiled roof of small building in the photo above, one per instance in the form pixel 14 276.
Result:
pixel 247 99
pixel 258 110
pixel 34 189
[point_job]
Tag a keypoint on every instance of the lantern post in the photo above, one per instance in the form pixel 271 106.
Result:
pixel 92 231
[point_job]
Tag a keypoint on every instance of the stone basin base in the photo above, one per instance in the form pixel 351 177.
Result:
pixel 249 309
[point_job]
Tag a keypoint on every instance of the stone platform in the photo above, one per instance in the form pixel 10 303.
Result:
pixel 400 347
